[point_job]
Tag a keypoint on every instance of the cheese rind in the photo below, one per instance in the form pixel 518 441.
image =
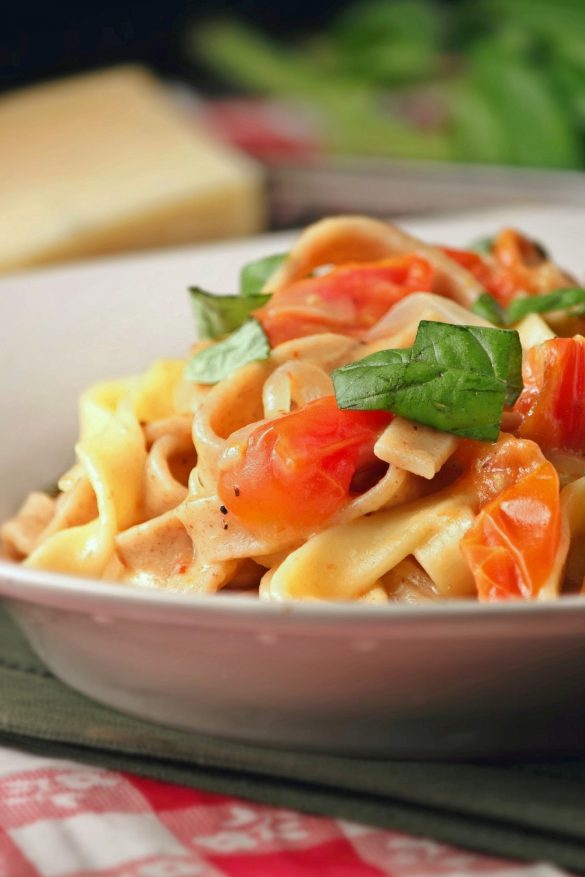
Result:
pixel 105 163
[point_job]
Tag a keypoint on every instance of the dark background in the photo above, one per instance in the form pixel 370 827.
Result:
pixel 39 40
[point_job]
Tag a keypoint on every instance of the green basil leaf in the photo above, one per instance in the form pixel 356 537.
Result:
pixel 456 379
pixel 363 384
pixel 494 352
pixel 216 315
pixel 254 275
pixel 559 300
pixel 488 308
pixel 249 344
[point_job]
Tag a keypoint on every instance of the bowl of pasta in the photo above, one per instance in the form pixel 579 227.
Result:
pixel 321 491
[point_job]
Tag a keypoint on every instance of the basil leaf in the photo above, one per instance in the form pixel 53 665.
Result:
pixel 254 275
pixel 216 315
pixel 455 379
pixel 494 352
pixel 489 309
pixel 249 344
pixel 560 299
pixel 363 384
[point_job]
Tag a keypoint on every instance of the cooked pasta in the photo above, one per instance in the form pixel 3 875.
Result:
pixel 377 420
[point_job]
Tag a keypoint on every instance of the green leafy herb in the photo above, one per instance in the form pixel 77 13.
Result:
pixel 387 43
pixel 570 300
pixel 489 309
pixel 216 315
pixel 489 352
pixel 559 300
pixel 455 378
pixel 350 114
pixel 249 344
pixel 525 102
pixel 363 385
pixel 255 274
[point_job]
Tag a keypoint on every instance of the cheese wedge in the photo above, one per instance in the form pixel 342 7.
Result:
pixel 105 162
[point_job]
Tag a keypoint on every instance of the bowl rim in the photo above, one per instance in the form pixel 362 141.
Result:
pixel 114 600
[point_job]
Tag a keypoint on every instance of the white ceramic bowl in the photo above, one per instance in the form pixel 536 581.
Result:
pixel 453 680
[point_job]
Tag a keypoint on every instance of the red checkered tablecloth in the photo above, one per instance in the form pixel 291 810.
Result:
pixel 62 819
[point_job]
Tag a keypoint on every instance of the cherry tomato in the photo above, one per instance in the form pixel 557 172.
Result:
pixel 514 266
pixel 298 469
pixel 552 403
pixel 481 268
pixel 348 300
pixel 512 547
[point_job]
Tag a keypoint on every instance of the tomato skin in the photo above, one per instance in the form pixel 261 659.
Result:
pixel 552 403
pixel 515 266
pixel 500 284
pixel 512 548
pixel 296 470
pixel 481 269
pixel 517 261
pixel 491 468
pixel 348 300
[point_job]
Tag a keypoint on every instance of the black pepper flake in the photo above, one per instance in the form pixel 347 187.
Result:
pixel 236 491
pixel 223 510
pixel 225 525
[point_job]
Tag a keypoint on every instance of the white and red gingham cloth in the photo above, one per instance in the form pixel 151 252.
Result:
pixel 62 819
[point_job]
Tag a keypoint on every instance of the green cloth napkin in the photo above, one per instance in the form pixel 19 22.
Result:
pixel 529 811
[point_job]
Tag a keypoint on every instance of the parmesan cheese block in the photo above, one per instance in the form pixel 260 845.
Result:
pixel 105 162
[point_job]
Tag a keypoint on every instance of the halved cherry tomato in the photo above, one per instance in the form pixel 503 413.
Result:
pixel 512 548
pixel 552 403
pixel 481 268
pixel 491 467
pixel 515 265
pixel 348 300
pixel 521 266
pixel 298 469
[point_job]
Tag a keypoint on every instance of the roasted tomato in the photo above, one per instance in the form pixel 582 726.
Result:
pixel 515 265
pixel 515 548
pixel 348 299
pixel 298 469
pixel 552 403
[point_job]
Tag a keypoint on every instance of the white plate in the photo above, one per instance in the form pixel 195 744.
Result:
pixel 449 680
